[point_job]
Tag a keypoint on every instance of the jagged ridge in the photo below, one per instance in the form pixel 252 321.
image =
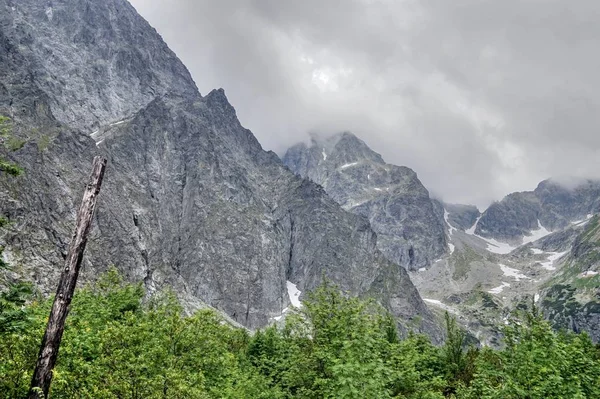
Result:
pixel 391 197
pixel 190 198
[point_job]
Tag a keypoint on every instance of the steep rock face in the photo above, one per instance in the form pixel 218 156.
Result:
pixel 461 216
pixel 100 60
pixel 550 205
pixel 391 197
pixel 513 217
pixel 440 211
pixel 190 199
pixel 561 205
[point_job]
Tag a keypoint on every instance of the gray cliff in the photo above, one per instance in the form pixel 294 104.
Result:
pixel 409 230
pixel 552 204
pixel 190 198
pixel 461 216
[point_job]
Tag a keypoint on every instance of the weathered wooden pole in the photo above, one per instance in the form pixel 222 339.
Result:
pixel 42 376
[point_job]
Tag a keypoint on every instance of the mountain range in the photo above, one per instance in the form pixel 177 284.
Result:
pixel 397 205
pixel 537 246
pixel 191 200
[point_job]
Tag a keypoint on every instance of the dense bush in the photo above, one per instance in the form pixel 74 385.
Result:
pixel 117 345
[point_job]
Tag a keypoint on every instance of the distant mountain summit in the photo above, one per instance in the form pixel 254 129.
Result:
pixel 397 205
pixel 539 245
pixel 551 206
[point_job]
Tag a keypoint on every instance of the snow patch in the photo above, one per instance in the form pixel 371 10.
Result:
pixel 277 318
pixel 536 297
pixel 94 136
pixel 441 305
pixel 452 248
pixel 381 188
pixel 514 273
pixel 49 13
pixel 589 273
pixel 499 289
pixel 353 204
pixel 493 245
pixel 496 246
pixel 536 234
pixel 348 165
pixel 503 248
pixel 294 294
pixel 471 231
pixel 549 264
pixel 537 251
pixel 422 269
pixel 450 228
pixel 324 155
pixel 583 222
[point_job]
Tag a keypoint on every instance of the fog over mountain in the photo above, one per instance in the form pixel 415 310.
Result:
pixel 481 98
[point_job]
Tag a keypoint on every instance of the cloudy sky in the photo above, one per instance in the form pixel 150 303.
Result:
pixel 479 97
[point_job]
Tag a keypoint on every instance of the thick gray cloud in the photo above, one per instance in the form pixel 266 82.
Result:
pixel 480 97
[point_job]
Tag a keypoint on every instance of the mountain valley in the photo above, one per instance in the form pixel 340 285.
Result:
pixel 192 201
pixel 479 267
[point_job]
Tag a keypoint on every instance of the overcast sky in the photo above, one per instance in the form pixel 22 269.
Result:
pixel 479 97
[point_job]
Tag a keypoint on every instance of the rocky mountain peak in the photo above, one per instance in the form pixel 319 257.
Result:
pixel 217 97
pixel 190 199
pixel 461 216
pixel 344 148
pixel 98 61
pixel 552 205
pixel 391 197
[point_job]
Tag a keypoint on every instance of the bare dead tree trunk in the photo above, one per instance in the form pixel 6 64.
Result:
pixel 42 377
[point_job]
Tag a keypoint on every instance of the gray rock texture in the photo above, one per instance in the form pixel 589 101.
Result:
pixel 393 199
pixel 100 60
pixel 461 216
pixel 552 204
pixel 190 199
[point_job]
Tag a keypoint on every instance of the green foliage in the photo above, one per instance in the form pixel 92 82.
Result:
pixel 537 363
pixel 459 362
pixel 21 327
pixel 13 314
pixel 44 142
pixel 342 347
pixel 117 344
pixel 461 260
pixel 12 143
pixel 5 126
pixel 10 168
pixel 15 143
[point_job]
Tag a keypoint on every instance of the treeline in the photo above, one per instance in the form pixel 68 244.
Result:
pixel 117 345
